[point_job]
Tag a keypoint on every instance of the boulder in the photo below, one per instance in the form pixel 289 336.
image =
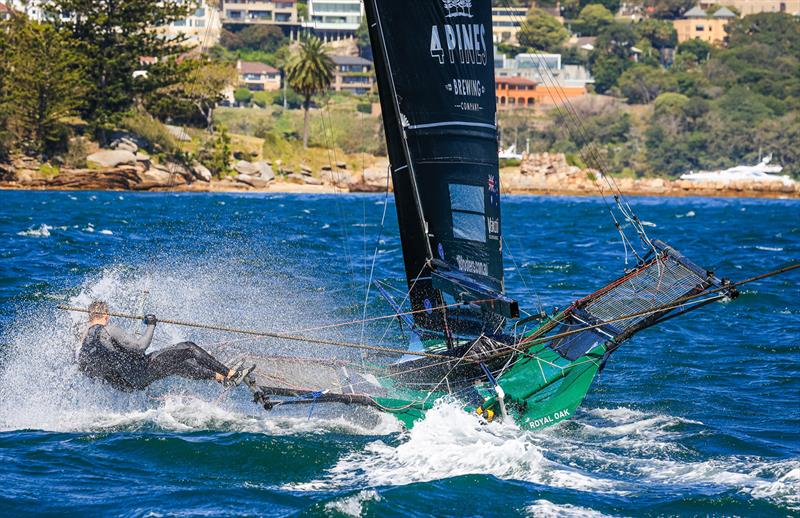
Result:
pixel 157 176
pixel 265 171
pixel 245 167
pixel 201 172
pixel 180 170
pixel 311 180
pixel 375 176
pixel 295 178
pixel 305 170
pixel 125 144
pixel 341 165
pixel 178 133
pixel 112 158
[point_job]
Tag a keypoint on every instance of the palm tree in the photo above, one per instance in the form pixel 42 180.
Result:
pixel 309 72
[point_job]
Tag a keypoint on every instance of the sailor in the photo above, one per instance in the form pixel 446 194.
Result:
pixel 108 353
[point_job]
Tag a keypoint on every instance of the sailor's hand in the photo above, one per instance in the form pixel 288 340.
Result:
pixel 150 320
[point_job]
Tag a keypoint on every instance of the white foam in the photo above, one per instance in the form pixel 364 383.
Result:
pixel 769 248
pixel 107 232
pixel 449 443
pixel 547 509
pixel 42 230
pixel 353 505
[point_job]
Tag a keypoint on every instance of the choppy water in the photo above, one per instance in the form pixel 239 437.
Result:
pixel 698 417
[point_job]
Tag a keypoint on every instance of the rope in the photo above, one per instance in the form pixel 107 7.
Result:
pixel 282 336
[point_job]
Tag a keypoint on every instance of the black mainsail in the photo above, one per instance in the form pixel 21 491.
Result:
pixel 435 69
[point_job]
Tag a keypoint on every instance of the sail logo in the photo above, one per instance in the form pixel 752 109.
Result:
pixel 459 43
pixel 456 8
pixel 472 266
pixel 494 226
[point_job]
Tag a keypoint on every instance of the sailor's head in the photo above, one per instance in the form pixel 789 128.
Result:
pixel 98 312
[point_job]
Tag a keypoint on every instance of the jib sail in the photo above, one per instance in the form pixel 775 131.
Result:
pixel 435 68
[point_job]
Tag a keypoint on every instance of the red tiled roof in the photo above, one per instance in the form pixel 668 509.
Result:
pixel 5 9
pixel 254 67
pixel 514 81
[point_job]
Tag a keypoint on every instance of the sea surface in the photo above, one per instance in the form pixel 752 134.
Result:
pixel 700 416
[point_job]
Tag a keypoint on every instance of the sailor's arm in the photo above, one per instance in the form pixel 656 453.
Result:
pixel 132 343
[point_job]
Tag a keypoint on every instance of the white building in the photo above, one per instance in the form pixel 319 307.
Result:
pixel 202 27
pixel 334 19
pixel 277 12
pixel 546 69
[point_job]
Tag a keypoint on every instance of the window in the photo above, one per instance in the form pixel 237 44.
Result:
pixel 467 209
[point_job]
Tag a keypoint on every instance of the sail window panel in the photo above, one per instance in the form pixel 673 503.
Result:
pixel 469 226
pixel 469 198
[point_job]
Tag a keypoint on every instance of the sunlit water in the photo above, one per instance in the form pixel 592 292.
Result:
pixel 698 416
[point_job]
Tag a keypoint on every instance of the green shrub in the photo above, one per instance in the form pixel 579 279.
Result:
pixel 75 156
pixel 364 108
pixel 215 153
pixel 143 125
pixel 48 170
pixel 510 162
pixel 242 96
pixel 575 160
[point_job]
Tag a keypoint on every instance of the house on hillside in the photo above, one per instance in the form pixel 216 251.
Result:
pixel 5 12
pixel 353 74
pixel 746 7
pixel 278 12
pixel 521 92
pixel 258 77
pixel 507 22
pixel 544 69
pixel 697 24
pixel 201 28
pixel 334 20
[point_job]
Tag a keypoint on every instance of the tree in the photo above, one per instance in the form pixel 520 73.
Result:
pixel 200 90
pixel 44 84
pixel 592 18
pixel 266 38
pixel 781 31
pixel 542 31
pixel 669 9
pixel 571 8
pixel 309 72
pixel 114 37
pixel 242 96
pixel 700 49
pixel 660 33
pixel 363 41
pixel 641 84
pixel 606 71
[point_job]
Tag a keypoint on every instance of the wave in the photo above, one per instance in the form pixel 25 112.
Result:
pixel 618 451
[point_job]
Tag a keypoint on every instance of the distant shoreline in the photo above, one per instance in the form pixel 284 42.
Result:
pixel 293 188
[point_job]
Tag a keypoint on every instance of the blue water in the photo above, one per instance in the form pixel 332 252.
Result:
pixel 700 416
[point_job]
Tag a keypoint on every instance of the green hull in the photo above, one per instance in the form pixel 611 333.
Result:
pixel 540 390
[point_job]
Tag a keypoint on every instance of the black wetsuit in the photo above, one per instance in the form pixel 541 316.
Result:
pixel 108 353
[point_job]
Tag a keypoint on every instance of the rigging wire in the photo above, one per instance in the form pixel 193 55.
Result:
pixel 589 152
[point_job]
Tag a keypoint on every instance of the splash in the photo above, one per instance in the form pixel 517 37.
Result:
pixel 618 451
pixel 41 388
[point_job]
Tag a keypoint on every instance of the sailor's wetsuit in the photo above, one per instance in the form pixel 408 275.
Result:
pixel 110 354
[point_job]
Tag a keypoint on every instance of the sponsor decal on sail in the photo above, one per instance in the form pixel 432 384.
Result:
pixel 464 43
pixel 472 266
pixel 456 8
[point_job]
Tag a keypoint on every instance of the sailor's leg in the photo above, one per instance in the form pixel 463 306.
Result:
pixel 184 359
pixel 199 355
